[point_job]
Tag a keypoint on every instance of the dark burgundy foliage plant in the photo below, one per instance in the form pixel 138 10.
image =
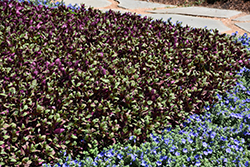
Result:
pixel 86 80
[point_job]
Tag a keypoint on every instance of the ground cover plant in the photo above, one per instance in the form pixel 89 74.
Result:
pixel 81 81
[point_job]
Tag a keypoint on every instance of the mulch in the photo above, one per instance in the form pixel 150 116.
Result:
pixel 239 5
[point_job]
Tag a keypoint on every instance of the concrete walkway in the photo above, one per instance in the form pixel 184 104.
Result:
pixel 186 15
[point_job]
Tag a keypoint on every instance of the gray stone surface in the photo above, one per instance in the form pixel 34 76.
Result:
pixel 189 20
pixel 116 10
pixel 244 26
pixel 194 22
pixel 243 18
pixel 198 11
pixel 89 3
pixel 134 4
